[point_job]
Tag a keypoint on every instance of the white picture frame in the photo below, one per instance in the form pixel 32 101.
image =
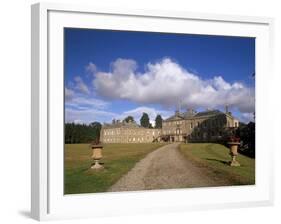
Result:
pixel 48 201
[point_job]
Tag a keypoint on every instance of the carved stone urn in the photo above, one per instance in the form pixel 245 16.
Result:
pixel 96 156
pixel 233 146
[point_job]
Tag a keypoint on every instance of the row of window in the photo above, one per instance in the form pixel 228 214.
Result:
pixel 112 132
pixel 171 123
pixel 205 123
pixel 205 135
pixel 209 123
pixel 134 139
pixel 178 131
pixel 117 132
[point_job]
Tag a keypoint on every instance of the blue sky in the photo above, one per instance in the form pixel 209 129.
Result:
pixel 112 74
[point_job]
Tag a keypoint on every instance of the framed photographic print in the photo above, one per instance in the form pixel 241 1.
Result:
pixel 148 111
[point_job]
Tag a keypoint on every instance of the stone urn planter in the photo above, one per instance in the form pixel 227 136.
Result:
pixel 233 146
pixel 96 156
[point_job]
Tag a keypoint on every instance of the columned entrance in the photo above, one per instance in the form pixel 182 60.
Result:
pixel 176 138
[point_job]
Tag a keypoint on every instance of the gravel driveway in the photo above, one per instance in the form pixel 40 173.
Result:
pixel 167 168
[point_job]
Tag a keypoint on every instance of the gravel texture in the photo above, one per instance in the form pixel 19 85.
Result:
pixel 167 168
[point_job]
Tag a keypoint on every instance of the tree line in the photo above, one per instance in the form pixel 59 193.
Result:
pixel 81 133
pixel 86 133
pixel 246 133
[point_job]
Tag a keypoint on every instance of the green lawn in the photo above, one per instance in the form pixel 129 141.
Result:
pixel 118 159
pixel 216 156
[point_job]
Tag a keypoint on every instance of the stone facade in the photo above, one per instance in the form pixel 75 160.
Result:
pixel 203 126
pixel 123 132
pixel 181 127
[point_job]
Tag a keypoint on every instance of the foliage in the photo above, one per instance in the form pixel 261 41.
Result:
pixel 82 133
pixel 158 121
pixel 247 136
pixel 129 119
pixel 234 138
pixel 144 121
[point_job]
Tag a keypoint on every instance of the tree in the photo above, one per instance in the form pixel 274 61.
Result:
pixel 144 121
pixel 247 136
pixel 82 133
pixel 158 121
pixel 129 119
pixel 95 131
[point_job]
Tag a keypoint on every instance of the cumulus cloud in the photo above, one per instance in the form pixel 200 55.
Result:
pixel 166 83
pixel 81 86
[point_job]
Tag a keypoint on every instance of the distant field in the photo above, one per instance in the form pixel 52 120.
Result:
pixel 118 159
pixel 216 156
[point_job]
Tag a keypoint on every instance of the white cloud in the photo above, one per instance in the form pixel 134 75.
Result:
pixel 81 108
pixel 68 94
pixel 87 102
pixel 220 84
pixel 91 68
pixel 87 116
pixel 81 86
pixel 166 83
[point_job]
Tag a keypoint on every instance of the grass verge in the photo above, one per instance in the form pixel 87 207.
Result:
pixel 216 158
pixel 118 159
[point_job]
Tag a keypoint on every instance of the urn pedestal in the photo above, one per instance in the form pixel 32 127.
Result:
pixel 97 156
pixel 233 146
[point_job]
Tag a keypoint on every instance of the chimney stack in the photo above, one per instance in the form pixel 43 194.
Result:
pixel 226 109
pixel 190 111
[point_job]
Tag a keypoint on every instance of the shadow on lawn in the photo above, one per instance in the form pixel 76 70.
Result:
pixel 220 161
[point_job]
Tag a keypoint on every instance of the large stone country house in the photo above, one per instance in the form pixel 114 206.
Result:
pixel 128 132
pixel 190 126
pixel 209 125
